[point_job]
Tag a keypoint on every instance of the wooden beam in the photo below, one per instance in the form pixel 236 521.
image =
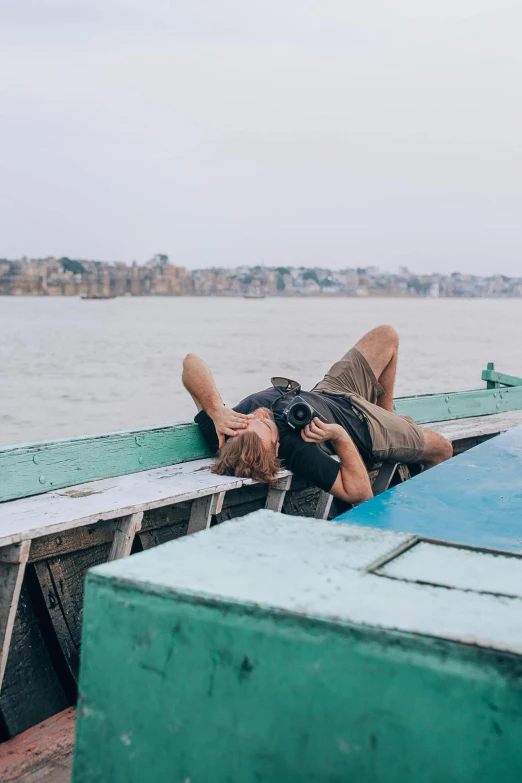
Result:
pixel 459 405
pixel 202 510
pixel 490 384
pixel 12 568
pixel 33 468
pixel 491 376
pixel 277 492
pixel 384 477
pixel 323 505
pixel 126 529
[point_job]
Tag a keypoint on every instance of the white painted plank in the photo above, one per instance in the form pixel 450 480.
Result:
pixel 202 510
pixel 323 505
pixel 476 426
pixel 126 529
pixel 13 560
pixel 461 568
pixel 84 504
pixel 277 492
pixel 257 553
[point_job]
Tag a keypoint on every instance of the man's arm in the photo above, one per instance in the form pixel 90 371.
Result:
pixel 352 483
pixel 198 381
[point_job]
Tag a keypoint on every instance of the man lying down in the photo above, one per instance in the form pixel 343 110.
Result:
pixel 349 413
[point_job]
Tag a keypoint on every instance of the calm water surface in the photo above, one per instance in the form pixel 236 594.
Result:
pixel 70 367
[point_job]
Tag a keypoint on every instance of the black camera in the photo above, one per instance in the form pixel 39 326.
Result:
pixel 298 413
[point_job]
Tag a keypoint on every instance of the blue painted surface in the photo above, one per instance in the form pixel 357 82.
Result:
pixel 475 498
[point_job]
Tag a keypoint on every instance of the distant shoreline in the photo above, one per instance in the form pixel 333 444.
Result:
pixel 314 295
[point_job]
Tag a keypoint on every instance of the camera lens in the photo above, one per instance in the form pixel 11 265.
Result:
pixel 299 415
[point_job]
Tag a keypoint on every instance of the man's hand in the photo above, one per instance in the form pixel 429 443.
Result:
pixel 352 484
pixel 228 422
pixel 318 430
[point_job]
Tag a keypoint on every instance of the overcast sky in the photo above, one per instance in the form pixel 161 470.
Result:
pixel 298 132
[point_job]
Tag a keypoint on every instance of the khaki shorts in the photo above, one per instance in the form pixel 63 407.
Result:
pixel 394 438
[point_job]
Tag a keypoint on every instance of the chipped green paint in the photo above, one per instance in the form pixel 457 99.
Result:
pixel 459 405
pixel 180 685
pixel 492 376
pixel 34 468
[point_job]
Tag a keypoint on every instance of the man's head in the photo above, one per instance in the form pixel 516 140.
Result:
pixel 252 453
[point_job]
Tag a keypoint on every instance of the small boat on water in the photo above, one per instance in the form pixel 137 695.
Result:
pixel 254 293
pixel 97 296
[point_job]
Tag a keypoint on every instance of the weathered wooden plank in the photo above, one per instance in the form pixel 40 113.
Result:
pixel 277 492
pixel 42 754
pixel 477 427
pixel 62 582
pixel 13 560
pixel 160 535
pixel 384 477
pixel 202 510
pixel 61 616
pixel 60 544
pixel 109 498
pixel 323 505
pixel 242 501
pixel 34 468
pixel 31 690
pixel 126 529
pixel 166 515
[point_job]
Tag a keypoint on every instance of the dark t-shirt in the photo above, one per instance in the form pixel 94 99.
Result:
pixel 311 461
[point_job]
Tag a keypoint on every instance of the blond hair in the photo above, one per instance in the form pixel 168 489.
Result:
pixel 247 455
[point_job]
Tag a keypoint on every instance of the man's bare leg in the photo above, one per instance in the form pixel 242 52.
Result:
pixel 436 449
pixel 380 348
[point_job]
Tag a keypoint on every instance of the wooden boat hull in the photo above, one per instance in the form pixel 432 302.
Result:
pixel 42 659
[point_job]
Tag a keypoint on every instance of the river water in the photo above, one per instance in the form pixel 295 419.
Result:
pixel 70 367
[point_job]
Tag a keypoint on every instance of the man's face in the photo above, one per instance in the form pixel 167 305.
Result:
pixel 263 424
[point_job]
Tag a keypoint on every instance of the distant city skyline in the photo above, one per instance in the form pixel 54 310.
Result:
pixel 400 269
pixel 282 134
pixel 158 277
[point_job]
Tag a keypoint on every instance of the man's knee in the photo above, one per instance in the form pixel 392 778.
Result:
pixel 379 341
pixel 384 336
pixel 445 449
pixel 388 334
pixel 436 448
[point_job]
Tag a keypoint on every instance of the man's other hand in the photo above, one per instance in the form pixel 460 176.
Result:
pixel 318 430
pixel 228 422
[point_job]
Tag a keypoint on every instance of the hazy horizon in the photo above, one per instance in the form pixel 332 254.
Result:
pixel 267 265
pixel 295 134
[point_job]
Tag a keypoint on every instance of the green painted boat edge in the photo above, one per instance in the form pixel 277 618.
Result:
pixel 81 438
pixel 34 468
pixel 460 405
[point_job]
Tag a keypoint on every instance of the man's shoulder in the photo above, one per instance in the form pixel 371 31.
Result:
pixel 260 399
